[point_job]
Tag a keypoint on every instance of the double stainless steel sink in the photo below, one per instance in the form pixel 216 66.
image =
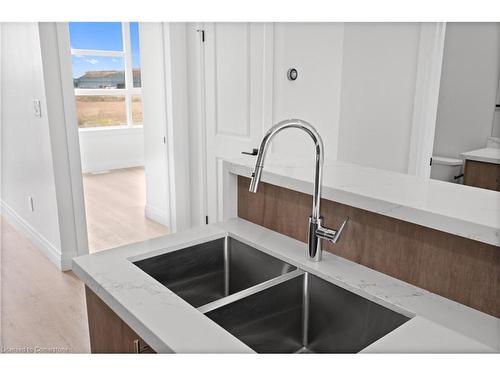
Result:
pixel 270 305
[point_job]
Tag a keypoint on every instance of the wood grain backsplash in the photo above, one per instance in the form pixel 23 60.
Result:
pixel 454 267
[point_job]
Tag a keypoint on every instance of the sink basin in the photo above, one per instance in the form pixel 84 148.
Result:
pixel 270 305
pixel 306 314
pixel 212 270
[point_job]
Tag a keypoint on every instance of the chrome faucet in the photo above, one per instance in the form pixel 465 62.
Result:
pixel 317 231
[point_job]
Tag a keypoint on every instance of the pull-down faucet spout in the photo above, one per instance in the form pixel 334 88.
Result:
pixel 316 229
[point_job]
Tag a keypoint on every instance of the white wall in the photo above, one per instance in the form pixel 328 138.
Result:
pixel 27 165
pixel 377 94
pixel 103 149
pixel 315 50
pixel 469 82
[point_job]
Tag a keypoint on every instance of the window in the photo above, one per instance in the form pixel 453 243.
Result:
pixel 106 73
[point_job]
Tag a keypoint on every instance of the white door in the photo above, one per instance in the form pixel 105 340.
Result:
pixel 236 89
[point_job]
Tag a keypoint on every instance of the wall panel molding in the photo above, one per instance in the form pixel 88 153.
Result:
pixel 224 126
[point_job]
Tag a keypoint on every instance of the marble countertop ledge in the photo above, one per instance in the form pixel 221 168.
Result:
pixel 460 210
pixel 486 155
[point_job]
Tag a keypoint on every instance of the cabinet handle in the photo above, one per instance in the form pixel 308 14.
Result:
pixel 137 348
pixel 254 152
pixel 144 349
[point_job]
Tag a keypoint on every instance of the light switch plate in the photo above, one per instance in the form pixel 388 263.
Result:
pixel 37 108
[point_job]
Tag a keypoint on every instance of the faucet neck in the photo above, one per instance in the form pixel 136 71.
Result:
pixel 318 147
pixel 318 181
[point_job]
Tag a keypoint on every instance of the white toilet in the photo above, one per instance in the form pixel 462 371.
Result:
pixel 446 169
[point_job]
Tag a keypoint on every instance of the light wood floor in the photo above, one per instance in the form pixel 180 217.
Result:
pixel 115 202
pixel 42 307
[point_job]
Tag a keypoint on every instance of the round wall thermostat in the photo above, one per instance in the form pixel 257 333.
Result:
pixel 292 74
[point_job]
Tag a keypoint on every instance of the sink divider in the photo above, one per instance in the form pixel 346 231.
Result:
pixel 305 312
pixel 249 291
pixel 226 266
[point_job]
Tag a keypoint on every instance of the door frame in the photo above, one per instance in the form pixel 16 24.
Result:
pixel 260 112
pixel 195 37
pixel 70 170
pixel 425 105
pixel 176 125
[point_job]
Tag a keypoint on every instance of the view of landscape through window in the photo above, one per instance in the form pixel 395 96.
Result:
pixel 106 73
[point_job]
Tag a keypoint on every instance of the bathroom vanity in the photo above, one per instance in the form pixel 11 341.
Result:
pixel 414 272
pixel 482 168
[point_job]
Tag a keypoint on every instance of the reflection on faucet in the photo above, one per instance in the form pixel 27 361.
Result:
pixel 316 229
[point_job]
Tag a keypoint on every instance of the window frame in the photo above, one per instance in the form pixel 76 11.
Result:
pixel 128 92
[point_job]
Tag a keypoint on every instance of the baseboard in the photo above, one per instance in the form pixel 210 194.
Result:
pixel 119 164
pixel 40 242
pixel 156 214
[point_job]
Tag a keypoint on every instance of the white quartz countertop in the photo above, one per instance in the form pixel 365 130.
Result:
pixel 169 324
pixel 420 335
pixel 487 155
pixel 457 209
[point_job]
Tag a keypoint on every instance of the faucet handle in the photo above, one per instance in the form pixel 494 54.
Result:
pixel 254 152
pixel 331 235
pixel 340 230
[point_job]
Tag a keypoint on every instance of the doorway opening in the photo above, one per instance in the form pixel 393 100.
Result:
pixel 106 69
